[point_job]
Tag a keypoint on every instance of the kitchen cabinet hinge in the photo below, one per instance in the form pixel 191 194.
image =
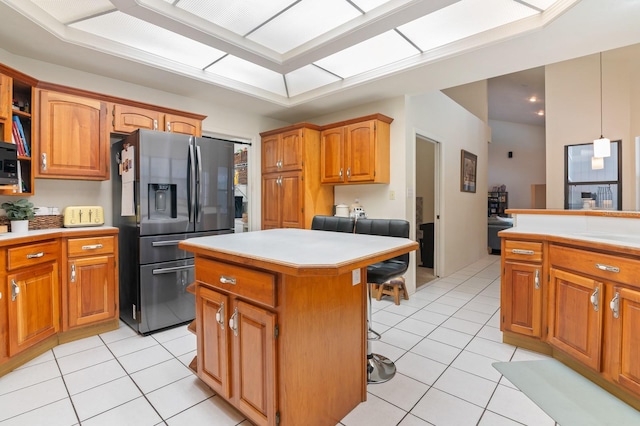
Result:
pixel 503 318
pixel 277 417
pixel 548 278
pixel 276 331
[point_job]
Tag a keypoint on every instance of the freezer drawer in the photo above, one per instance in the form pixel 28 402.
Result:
pixel 164 299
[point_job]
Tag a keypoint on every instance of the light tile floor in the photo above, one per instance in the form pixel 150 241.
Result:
pixel 443 341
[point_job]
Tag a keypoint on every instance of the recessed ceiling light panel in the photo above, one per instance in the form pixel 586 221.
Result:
pixel 376 52
pixel 150 38
pixel 302 23
pixel 246 72
pixel 308 78
pixel 67 11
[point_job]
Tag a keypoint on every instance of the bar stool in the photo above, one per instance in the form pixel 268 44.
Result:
pixel 380 368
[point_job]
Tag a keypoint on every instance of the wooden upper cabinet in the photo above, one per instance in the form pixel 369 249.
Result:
pixel 356 151
pixel 183 125
pixel 126 119
pixel 283 152
pixel 5 98
pixel 73 137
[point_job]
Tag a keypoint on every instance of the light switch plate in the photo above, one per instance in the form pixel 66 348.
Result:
pixel 75 216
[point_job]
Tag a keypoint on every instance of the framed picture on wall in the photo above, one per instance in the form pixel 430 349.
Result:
pixel 468 168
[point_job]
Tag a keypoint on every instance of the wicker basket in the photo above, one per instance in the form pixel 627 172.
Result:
pixel 39 222
pixel 242 175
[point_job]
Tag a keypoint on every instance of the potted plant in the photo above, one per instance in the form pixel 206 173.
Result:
pixel 19 212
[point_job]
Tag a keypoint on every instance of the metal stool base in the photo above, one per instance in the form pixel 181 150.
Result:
pixel 379 369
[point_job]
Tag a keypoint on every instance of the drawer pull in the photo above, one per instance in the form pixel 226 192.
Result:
pixel 607 268
pixel 15 290
pixel 92 247
pixel 615 305
pixel 521 251
pixel 171 270
pixel 227 280
pixel 220 316
pixel 233 325
pixel 35 255
pixel 536 279
pixel 595 299
pixel 165 243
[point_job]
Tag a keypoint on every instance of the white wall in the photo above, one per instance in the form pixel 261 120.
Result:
pixel 425 179
pixel 525 168
pixel 220 121
pixel 462 228
pixel 572 94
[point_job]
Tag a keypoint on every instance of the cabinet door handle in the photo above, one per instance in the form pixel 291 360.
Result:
pixel 35 255
pixel 220 316
pixel 155 124
pixel 233 325
pixel 595 299
pixel 92 247
pixel 279 164
pixel 348 172
pixel 536 279
pixel 73 272
pixel 607 268
pixel 615 305
pixel 340 173
pixel 227 280
pixel 44 161
pixel 15 290
pixel 521 251
pixel 169 127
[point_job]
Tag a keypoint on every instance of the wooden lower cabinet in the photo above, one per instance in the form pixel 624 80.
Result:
pixel 624 347
pixel 34 308
pixel 237 353
pixel 575 316
pixel 91 290
pixel 522 290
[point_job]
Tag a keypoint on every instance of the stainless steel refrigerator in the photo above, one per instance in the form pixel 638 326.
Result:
pixel 166 188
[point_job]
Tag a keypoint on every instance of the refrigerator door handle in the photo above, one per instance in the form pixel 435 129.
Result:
pixel 199 184
pixel 171 269
pixel 191 182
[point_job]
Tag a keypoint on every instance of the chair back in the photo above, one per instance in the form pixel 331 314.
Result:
pixel 387 228
pixel 332 223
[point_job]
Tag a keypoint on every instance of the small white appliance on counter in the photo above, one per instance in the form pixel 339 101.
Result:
pixel 75 216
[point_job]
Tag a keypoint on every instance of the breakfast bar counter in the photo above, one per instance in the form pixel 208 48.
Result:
pixel 281 320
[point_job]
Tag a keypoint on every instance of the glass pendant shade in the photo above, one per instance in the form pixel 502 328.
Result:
pixel 602 147
pixel 597 163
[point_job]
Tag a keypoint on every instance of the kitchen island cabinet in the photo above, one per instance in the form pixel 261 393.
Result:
pixel 591 296
pixel 40 306
pixel 281 320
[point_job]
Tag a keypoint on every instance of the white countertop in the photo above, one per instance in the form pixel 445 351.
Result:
pixel 301 247
pixel 8 236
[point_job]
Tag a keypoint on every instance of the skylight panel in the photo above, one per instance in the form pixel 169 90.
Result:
pixel 67 11
pixel 376 52
pixel 303 22
pixel 540 4
pixel 308 78
pixel 234 68
pixel 141 35
pixel 470 17
pixel 239 16
pixel 368 5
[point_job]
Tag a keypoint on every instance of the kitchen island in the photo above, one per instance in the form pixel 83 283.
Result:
pixel 570 289
pixel 281 320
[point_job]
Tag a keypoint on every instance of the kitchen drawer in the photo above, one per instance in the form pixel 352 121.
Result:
pixel 32 254
pixel 247 283
pixel 599 265
pixel 89 246
pixel 530 251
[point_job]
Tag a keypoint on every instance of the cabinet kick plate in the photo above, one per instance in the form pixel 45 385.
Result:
pixel 83 216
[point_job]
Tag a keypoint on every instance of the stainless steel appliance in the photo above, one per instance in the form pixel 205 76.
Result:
pixel 8 163
pixel 182 188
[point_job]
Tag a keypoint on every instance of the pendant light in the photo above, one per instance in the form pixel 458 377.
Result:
pixel 597 163
pixel 602 146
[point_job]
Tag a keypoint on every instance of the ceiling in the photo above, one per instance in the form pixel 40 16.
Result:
pixel 295 59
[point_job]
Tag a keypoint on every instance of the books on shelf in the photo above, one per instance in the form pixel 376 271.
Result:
pixel 19 138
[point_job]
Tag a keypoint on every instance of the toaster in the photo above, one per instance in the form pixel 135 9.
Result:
pixel 83 216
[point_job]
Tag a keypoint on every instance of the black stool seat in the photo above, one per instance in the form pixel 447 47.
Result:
pixel 381 272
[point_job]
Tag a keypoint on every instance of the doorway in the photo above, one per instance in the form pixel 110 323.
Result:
pixel 427 209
